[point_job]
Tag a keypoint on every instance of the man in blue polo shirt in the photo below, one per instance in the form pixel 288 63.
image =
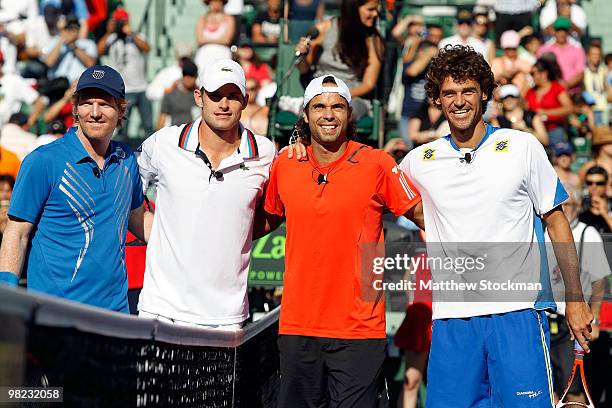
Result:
pixel 73 201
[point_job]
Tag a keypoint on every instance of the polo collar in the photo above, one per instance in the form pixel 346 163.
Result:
pixel 78 154
pixel 188 140
pixel 488 132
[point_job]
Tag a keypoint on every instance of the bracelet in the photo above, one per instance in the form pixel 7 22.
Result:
pixel 9 278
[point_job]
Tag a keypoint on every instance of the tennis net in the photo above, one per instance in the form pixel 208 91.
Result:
pixel 104 359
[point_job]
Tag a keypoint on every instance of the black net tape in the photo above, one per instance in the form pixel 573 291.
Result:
pixel 103 371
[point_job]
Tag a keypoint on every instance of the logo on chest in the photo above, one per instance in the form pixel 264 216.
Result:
pixel 429 154
pixel 501 146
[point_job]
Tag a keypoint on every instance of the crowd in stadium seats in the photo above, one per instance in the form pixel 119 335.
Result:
pixel 554 79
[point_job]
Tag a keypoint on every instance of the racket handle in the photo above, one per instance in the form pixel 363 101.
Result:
pixel 578 348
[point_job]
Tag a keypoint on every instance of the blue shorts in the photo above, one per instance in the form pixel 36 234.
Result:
pixel 499 360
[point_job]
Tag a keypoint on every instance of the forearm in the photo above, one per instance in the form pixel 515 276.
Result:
pixel 264 223
pixel 55 109
pixel 85 58
pixel 54 54
pixel 599 288
pixel 13 249
pixel 38 108
pixel 415 214
pixel 576 80
pixel 141 43
pixel 140 223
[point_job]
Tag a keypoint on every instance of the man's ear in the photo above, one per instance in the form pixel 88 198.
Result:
pixel 197 97
pixel 305 116
pixel 246 101
pixel 485 96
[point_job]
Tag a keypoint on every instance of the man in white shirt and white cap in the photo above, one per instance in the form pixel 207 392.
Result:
pixel 210 175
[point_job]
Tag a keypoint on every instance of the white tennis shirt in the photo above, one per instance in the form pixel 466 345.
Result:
pixel 199 250
pixel 499 197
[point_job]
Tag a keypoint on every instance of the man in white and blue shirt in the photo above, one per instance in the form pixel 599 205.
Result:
pixel 481 186
pixel 72 201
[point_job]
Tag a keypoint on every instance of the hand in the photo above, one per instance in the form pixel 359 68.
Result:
pixel 599 206
pixel 69 36
pixel 594 331
pixel 579 317
pixel 299 147
pixel 303 46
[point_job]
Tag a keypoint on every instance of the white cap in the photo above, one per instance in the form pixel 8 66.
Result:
pixel 315 87
pixel 222 72
pixel 509 90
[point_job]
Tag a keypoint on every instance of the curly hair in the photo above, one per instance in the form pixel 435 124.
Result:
pixel 461 64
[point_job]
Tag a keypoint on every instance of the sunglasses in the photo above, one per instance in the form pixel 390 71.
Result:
pixel 596 183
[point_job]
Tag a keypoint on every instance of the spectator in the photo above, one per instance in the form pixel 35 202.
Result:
pixel 165 79
pixel 6 189
pixel 514 15
pixel 126 49
pixel 596 207
pixel 570 57
pixel 408 32
pixel 17 92
pixel 582 120
pixel 266 26
pixel 251 64
pixel 255 116
pixel 16 138
pixel 549 99
pixel 39 33
pixel 178 105
pixel 427 124
pixel 214 31
pixel 563 157
pixel 397 148
pixel 15 16
pixel 513 116
pixel 67 55
pixel 596 83
pixel 55 130
pixel 480 30
pixel 464 34
pixel 510 67
pixel 98 13
pixel 9 163
pixel 61 109
pixel 531 44
pixel 349 47
pixel 414 76
pixel 602 154
pixel 567 9
pixel 76 8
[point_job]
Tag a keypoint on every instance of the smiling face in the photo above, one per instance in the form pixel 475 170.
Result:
pixel 98 113
pixel 328 116
pixel 461 103
pixel 368 13
pixel 596 185
pixel 222 108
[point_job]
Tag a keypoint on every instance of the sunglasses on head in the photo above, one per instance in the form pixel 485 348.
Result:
pixel 596 183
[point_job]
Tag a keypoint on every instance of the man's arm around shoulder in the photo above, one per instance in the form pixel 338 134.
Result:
pixel 12 251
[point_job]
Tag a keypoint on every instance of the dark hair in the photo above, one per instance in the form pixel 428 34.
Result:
pixel 597 170
pixel 18 119
pixel 528 38
pixel 549 66
pixel 9 179
pixel 352 37
pixel 461 64
pixel 594 44
pixel 608 58
pixel 434 25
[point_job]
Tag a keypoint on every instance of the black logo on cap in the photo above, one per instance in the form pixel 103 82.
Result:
pixel 227 70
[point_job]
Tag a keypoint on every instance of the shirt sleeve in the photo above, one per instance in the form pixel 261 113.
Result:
pixel 395 188
pixel 272 202
pixel 88 46
pixel 165 105
pixel 543 184
pixel 32 189
pixel 80 9
pixel 147 162
pixel 26 93
pixel 137 191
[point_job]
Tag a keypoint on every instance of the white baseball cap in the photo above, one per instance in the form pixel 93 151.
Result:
pixel 315 87
pixel 509 90
pixel 222 72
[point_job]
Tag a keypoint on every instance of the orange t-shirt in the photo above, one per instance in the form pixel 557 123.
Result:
pixel 9 163
pixel 334 228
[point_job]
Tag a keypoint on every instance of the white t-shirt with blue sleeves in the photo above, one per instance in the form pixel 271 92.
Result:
pixel 490 207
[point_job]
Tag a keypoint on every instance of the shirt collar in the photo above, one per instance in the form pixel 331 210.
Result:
pixel 77 151
pixel 488 131
pixel 188 140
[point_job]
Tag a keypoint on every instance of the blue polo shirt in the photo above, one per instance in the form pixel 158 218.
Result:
pixel 80 215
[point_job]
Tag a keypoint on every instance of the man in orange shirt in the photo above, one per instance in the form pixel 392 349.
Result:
pixel 9 163
pixel 332 327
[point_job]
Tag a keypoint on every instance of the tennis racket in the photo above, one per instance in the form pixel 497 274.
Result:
pixel 578 367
